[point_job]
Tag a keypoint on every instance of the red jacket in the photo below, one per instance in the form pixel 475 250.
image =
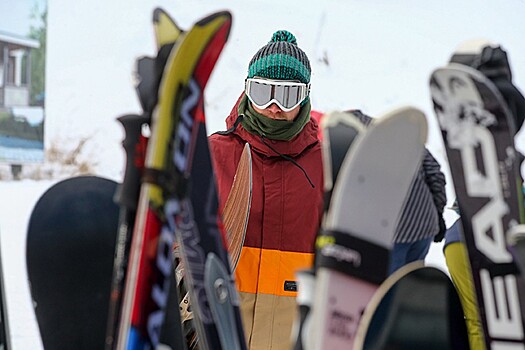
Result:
pixel 285 216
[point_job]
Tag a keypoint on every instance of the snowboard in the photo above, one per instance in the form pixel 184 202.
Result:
pixel 341 130
pixel 70 245
pixel 478 134
pixel 237 207
pixel 352 248
pixel 417 307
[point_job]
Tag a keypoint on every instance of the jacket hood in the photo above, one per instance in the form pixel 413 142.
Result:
pixel 306 138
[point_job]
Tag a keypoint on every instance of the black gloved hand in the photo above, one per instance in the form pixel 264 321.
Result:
pixel 442 229
pixel 514 98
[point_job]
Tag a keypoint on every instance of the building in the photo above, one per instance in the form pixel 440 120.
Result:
pixel 21 123
pixel 15 69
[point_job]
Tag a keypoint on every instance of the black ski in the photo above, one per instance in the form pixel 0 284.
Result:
pixel 478 134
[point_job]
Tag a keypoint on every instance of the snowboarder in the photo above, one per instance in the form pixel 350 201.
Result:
pixel 273 116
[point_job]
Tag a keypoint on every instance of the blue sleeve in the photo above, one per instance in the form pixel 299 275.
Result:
pixel 453 233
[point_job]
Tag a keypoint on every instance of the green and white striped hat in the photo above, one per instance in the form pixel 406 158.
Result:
pixel 281 59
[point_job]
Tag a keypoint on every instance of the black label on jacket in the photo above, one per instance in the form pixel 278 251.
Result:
pixel 290 286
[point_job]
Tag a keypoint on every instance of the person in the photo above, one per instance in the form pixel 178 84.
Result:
pixel 273 116
pixel 421 220
pixel 491 60
pixel 458 265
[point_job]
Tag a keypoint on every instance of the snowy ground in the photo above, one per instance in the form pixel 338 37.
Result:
pixel 18 199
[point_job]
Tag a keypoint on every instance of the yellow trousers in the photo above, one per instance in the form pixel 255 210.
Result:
pixel 459 267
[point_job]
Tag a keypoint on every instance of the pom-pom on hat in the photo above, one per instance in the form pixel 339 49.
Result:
pixel 281 59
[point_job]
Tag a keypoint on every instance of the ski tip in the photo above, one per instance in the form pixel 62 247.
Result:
pixel 473 46
pixel 246 156
pixel 166 29
pixel 460 63
pixel 474 53
pixel 226 16
pixel 335 118
pixel 412 116
pixel 454 73
pixel 247 149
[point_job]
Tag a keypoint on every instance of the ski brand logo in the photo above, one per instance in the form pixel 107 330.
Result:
pixel 465 120
pixel 183 139
pixel 329 248
pixel 179 217
pixel 180 213
pixel 160 291
pixel 341 325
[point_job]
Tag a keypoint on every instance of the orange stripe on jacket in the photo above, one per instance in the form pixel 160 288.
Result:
pixel 265 271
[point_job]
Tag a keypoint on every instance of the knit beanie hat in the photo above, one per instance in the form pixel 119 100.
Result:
pixel 281 59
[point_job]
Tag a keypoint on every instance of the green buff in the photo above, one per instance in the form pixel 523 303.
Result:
pixel 281 130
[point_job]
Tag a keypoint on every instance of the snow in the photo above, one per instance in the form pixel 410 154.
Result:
pixel 18 199
pixel 373 55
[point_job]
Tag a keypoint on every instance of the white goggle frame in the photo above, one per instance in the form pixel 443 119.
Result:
pixel 284 93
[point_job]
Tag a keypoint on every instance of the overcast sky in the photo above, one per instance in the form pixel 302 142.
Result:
pixel 373 55
pixel 15 15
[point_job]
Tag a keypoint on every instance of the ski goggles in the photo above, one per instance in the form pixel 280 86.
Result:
pixel 285 94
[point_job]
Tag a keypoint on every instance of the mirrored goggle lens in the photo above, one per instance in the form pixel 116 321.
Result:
pixel 287 96
pixel 260 94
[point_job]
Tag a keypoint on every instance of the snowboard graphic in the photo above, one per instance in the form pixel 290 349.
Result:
pixel 478 134
pixel 70 246
pixel 352 249
pixel 417 307
pixel 237 208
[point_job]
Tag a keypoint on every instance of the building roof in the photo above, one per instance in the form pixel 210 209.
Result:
pixel 18 40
